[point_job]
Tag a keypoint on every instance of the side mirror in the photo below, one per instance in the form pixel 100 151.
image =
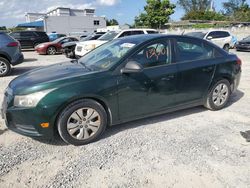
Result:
pixel 132 67
pixel 209 37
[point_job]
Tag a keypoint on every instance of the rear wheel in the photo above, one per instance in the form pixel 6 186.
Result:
pixel 219 95
pixel 5 67
pixel 82 122
pixel 51 50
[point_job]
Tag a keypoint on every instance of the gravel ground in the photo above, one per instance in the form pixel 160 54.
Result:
pixel 189 148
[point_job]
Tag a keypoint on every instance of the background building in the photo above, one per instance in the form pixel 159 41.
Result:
pixel 65 21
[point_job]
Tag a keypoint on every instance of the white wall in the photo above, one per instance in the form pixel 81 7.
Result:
pixel 69 24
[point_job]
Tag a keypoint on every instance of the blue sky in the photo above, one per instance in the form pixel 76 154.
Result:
pixel 12 11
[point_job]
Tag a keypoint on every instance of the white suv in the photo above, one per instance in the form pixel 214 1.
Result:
pixel 84 47
pixel 222 39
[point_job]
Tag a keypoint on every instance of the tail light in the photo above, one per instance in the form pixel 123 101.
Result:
pixel 239 62
pixel 13 44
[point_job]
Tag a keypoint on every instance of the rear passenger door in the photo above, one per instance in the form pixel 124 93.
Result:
pixel 196 67
pixel 27 39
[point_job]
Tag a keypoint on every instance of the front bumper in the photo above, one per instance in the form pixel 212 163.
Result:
pixel 27 121
pixel 41 51
pixel 243 47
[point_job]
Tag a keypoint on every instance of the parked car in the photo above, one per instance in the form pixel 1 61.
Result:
pixel 69 47
pixel 10 53
pixel 244 44
pixel 54 36
pixel 221 38
pixel 84 47
pixel 51 48
pixel 94 34
pixel 30 39
pixel 125 79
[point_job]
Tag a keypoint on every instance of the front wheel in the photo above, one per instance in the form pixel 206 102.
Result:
pixel 51 50
pixel 226 47
pixel 82 122
pixel 219 95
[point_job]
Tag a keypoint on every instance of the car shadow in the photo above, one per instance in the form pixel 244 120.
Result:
pixel 30 59
pixel 16 71
pixel 236 96
pixel 28 50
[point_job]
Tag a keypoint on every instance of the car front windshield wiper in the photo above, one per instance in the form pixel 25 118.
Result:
pixel 83 64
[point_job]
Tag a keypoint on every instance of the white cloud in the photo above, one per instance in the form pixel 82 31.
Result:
pixel 107 2
pixel 13 12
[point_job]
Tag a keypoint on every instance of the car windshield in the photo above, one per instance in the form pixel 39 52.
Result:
pixel 109 35
pixel 58 40
pixel 107 55
pixel 87 38
pixel 196 34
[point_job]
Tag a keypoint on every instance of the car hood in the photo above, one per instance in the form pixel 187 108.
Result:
pixel 244 42
pixel 45 43
pixel 92 42
pixel 45 76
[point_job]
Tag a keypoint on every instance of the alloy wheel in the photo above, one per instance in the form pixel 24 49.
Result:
pixel 220 94
pixel 3 67
pixel 83 123
pixel 51 51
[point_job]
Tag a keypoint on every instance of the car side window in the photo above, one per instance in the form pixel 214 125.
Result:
pixel 191 50
pixel 125 33
pixel 213 34
pixel 137 32
pixel 223 34
pixel 154 54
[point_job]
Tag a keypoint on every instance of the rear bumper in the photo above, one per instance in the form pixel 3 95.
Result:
pixel 236 82
pixel 18 60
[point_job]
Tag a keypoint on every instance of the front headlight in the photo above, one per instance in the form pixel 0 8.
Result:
pixel 30 100
pixel 41 46
pixel 90 47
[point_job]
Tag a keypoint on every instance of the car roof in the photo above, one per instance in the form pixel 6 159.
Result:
pixel 140 29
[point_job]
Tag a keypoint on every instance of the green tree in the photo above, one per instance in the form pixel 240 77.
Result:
pixel 204 15
pixel 156 14
pixel 194 5
pixel 232 5
pixel 112 22
pixel 242 14
pixel 3 28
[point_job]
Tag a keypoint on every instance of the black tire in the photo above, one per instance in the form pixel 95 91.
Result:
pixel 51 50
pixel 64 117
pixel 226 47
pixel 5 67
pixel 210 103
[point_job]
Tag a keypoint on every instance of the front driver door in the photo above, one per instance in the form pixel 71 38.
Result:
pixel 151 90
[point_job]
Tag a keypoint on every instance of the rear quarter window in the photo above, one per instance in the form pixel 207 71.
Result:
pixel 152 32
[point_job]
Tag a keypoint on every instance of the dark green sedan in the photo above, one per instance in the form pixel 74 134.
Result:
pixel 123 80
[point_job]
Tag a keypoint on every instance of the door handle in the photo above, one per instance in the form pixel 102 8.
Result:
pixel 208 69
pixel 168 78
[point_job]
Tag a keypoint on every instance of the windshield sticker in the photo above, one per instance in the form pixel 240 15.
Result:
pixel 127 45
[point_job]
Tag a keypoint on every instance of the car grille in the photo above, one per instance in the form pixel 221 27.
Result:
pixel 79 48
